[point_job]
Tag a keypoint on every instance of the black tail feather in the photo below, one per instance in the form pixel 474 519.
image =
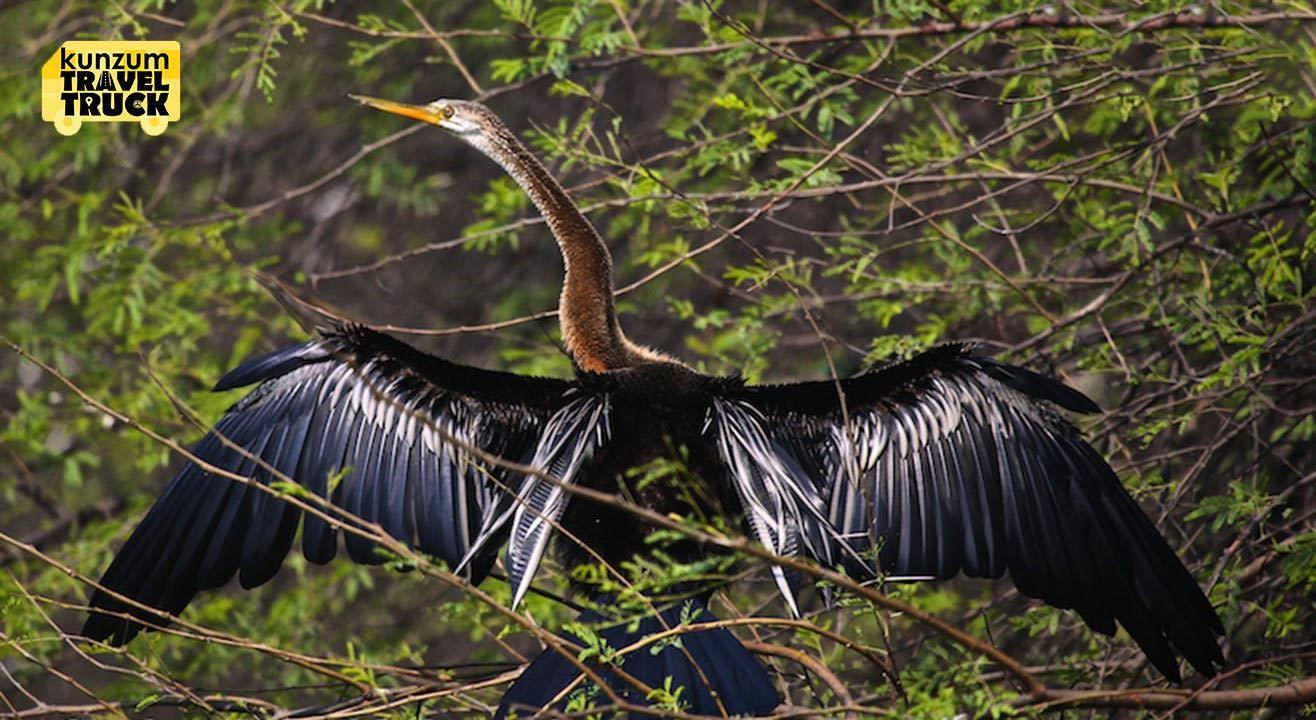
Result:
pixel 715 674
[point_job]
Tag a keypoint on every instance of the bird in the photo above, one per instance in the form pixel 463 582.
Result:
pixel 943 463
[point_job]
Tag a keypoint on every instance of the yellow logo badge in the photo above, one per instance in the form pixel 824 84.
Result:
pixel 112 81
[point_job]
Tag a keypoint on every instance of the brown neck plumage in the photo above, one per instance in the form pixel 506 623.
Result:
pixel 586 311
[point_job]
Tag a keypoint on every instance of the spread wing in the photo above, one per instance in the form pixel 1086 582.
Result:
pixel 951 463
pixel 380 430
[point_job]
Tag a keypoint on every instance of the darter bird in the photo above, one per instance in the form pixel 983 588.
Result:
pixel 945 463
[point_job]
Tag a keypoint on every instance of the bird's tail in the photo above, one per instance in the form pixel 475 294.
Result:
pixel 704 672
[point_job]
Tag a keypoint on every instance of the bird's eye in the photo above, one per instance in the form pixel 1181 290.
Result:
pixel 448 112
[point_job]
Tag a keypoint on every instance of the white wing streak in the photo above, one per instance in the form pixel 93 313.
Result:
pixel 951 463
pixel 396 425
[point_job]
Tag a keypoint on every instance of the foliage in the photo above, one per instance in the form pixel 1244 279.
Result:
pixel 789 192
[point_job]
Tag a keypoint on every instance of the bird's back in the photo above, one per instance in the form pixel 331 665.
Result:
pixel 659 459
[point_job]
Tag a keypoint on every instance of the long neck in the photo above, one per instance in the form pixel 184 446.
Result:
pixel 585 311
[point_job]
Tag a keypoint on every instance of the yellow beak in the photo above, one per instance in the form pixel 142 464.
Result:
pixel 415 112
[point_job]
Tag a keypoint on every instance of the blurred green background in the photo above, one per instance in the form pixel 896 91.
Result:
pixel 1125 200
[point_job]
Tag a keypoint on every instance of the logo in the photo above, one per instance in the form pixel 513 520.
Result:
pixel 112 81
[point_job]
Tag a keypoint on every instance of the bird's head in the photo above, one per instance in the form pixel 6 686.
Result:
pixel 468 120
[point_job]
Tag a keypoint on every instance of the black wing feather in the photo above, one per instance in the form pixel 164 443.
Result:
pixel 950 462
pixel 354 403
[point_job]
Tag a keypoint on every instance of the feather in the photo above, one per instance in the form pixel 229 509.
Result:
pixel 355 400
pixel 958 465
pixel 569 440
pixel 714 673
